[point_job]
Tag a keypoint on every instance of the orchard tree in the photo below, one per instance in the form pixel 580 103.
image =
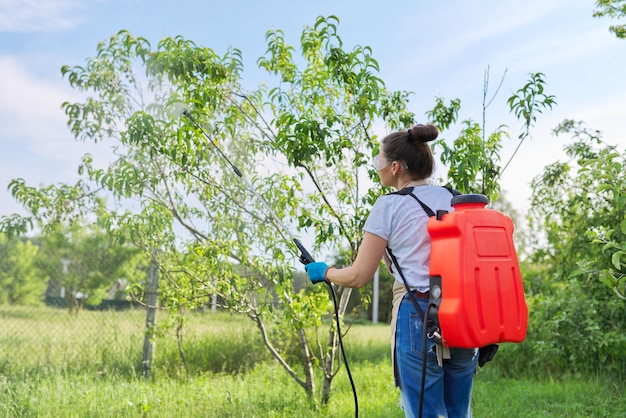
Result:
pixel 304 146
pixel 214 196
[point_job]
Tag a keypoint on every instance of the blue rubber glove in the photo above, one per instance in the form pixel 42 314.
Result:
pixel 316 271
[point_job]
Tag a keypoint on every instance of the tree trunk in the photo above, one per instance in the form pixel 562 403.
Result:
pixel 307 365
pixel 70 301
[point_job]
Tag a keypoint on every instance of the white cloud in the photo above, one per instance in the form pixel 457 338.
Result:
pixel 541 51
pixel 31 117
pixel 36 142
pixel 31 108
pixel 607 117
pixel 37 15
pixel 495 22
pixel 464 38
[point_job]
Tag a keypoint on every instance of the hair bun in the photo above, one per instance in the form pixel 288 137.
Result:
pixel 423 133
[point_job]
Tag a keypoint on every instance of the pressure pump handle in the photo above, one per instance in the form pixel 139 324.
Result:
pixel 305 257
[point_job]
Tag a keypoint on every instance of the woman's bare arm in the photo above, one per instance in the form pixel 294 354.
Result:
pixel 362 270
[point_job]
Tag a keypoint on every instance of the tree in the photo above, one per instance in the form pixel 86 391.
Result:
pixel 473 158
pixel 85 262
pixel 20 282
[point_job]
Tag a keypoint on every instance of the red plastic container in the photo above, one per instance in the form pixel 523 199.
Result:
pixel 476 283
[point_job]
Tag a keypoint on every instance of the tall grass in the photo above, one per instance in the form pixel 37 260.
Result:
pixel 49 340
pixel 266 391
pixel 53 364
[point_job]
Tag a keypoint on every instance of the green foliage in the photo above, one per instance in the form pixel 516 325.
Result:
pixel 172 195
pixel 577 215
pixel 50 206
pixel 608 169
pixel 15 225
pixel 20 282
pixel 82 260
pixel 472 161
pixel 584 222
pixel 571 329
pixel 324 115
pixel 85 260
pixel 529 101
pixel 614 9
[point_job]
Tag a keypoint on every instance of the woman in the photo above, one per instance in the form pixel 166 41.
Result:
pixel 399 223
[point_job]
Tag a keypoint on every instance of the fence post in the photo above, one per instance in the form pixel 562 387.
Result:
pixel 148 343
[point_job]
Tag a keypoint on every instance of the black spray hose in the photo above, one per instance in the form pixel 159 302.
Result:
pixel 424 362
pixel 343 352
pixel 416 305
pixel 305 256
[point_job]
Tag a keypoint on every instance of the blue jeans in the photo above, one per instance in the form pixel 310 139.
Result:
pixel 448 389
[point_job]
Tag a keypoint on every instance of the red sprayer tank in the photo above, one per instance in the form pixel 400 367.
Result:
pixel 476 283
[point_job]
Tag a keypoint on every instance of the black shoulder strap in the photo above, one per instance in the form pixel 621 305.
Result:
pixel 416 305
pixel 453 192
pixel 428 210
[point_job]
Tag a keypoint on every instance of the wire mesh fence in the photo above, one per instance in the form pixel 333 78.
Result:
pixel 51 339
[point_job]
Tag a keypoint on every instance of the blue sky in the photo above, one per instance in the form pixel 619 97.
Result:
pixel 431 48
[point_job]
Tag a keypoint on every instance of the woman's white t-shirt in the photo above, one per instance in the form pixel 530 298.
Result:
pixel 401 221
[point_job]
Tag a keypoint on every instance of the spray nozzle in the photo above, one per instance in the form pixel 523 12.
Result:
pixel 187 114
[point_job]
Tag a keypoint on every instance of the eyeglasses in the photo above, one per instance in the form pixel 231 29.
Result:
pixel 378 163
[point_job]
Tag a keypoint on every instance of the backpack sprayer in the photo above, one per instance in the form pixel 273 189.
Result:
pixel 473 263
pixel 305 256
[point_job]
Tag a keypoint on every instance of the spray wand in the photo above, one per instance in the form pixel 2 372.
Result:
pixel 305 256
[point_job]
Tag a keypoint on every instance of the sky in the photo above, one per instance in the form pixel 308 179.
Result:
pixel 431 48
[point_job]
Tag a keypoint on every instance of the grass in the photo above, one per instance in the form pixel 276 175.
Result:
pixel 567 397
pixel 268 392
pixel 33 340
pixel 55 365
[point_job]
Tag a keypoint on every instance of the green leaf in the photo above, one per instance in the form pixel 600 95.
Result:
pixel 616 259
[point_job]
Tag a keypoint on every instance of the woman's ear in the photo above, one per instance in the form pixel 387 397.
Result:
pixel 395 167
